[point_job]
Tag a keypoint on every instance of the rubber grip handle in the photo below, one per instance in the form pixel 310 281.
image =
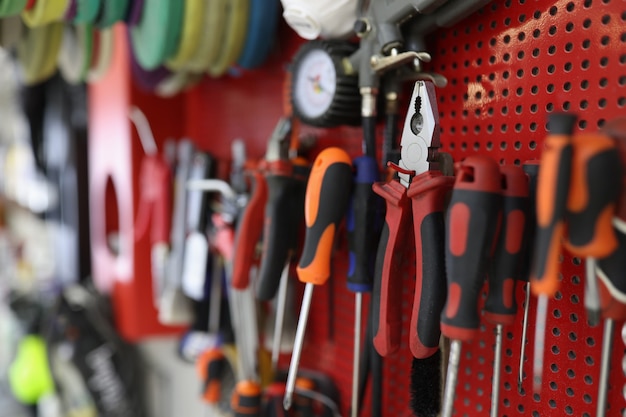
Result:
pixel 472 221
pixel 389 266
pixel 211 366
pixel 249 231
pixel 531 168
pixel 361 225
pixel 246 400
pixel 428 193
pixel 284 213
pixel 552 189
pixel 612 278
pixel 593 195
pixel 504 269
pixel 326 201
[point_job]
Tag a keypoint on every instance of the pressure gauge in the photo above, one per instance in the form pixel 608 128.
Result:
pixel 322 94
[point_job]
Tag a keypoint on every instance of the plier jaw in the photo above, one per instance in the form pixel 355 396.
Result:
pixel 420 135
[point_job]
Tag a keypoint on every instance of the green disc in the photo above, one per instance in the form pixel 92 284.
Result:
pixel 112 12
pixel 156 36
pixel 87 11
pixel 11 7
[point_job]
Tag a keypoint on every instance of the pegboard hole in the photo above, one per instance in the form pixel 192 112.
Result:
pixel 587 398
pixel 552 403
pixel 555 349
pixel 553 386
pixel 571 374
pixel 590 341
pixel 556 313
pixel 571 355
pixel 533 145
pixel 572 336
pixel 588 380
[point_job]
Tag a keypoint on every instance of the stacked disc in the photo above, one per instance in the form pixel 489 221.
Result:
pixel 173 43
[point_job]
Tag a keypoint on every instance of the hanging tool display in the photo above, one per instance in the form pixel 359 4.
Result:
pixel 552 188
pixel 472 222
pixel 500 306
pixel 326 202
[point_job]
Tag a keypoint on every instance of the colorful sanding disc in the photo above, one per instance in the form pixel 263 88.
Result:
pixel 87 11
pixel 156 36
pixel 72 9
pixel 234 38
pixel 190 35
pixel 134 12
pixel 102 54
pixel 113 11
pixel 38 50
pixel 75 55
pixel 44 12
pixel 211 37
pixel 11 7
pixel 262 24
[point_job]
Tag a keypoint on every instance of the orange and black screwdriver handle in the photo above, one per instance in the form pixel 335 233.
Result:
pixel 428 193
pixel 387 295
pixel 593 196
pixel 284 214
pixel 155 204
pixel 249 231
pixel 211 365
pixel 246 399
pixel 326 201
pixel 472 221
pixel 552 190
pixel 504 270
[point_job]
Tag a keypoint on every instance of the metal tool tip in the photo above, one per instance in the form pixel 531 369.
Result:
pixel 287 402
pixel 520 388
pixel 593 318
pixel 537 384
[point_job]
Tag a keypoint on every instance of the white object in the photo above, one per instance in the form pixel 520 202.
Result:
pixel 328 19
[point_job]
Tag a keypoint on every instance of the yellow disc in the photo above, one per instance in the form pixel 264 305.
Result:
pixel 211 36
pixel 75 55
pixel 44 12
pixel 193 20
pixel 234 37
pixel 37 52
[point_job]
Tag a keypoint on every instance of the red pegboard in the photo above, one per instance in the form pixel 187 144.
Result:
pixel 508 66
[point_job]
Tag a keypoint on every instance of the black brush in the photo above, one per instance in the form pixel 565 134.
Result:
pixel 425 389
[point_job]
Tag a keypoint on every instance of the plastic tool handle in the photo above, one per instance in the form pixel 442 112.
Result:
pixel 284 213
pixel 246 400
pixel 361 225
pixel 500 306
pixel 472 221
pixel 249 232
pixel 211 366
pixel 326 200
pixel 531 168
pixel 387 297
pixel 428 193
pixel 552 188
pixel 593 196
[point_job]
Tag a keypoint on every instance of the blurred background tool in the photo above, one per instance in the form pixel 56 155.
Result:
pixel 552 188
pixel 326 202
pixel 504 268
pixel 472 222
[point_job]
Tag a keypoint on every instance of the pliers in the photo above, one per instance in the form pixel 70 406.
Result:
pixel 418 197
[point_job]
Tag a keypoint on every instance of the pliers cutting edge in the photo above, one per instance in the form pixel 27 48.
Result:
pixel 418 197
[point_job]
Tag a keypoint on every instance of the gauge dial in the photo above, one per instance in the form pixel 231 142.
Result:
pixel 322 95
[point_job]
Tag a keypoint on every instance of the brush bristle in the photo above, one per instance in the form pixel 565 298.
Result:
pixel 426 386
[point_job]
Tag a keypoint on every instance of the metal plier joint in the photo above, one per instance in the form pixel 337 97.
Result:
pixel 418 197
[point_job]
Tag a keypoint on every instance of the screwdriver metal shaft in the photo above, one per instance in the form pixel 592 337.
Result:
pixel 356 360
pixel 280 316
pixel 540 334
pixel 497 367
pixel 607 344
pixel 520 376
pixel 297 347
pixel 451 378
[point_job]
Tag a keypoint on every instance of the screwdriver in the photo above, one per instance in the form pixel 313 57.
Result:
pixel 472 221
pixel 246 399
pixel 500 306
pixel 326 201
pixel 591 204
pixel 552 188
pixel 531 168
pixel 590 208
pixel 362 236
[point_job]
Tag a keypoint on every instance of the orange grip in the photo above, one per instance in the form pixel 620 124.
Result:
pixel 246 399
pixel 326 201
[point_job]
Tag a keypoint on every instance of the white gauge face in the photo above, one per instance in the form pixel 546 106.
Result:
pixel 315 84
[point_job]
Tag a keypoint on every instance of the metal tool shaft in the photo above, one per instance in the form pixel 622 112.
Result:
pixel 280 316
pixel 497 368
pixel 297 347
pixel 540 339
pixel 607 344
pixel 358 307
pixel 451 378
pixel 520 376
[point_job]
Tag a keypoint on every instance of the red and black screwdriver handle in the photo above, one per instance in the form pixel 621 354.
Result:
pixel 387 294
pixel 361 223
pixel 284 214
pixel 326 201
pixel 428 193
pixel 552 190
pixel 593 196
pixel 249 231
pixel 472 221
pixel 504 268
